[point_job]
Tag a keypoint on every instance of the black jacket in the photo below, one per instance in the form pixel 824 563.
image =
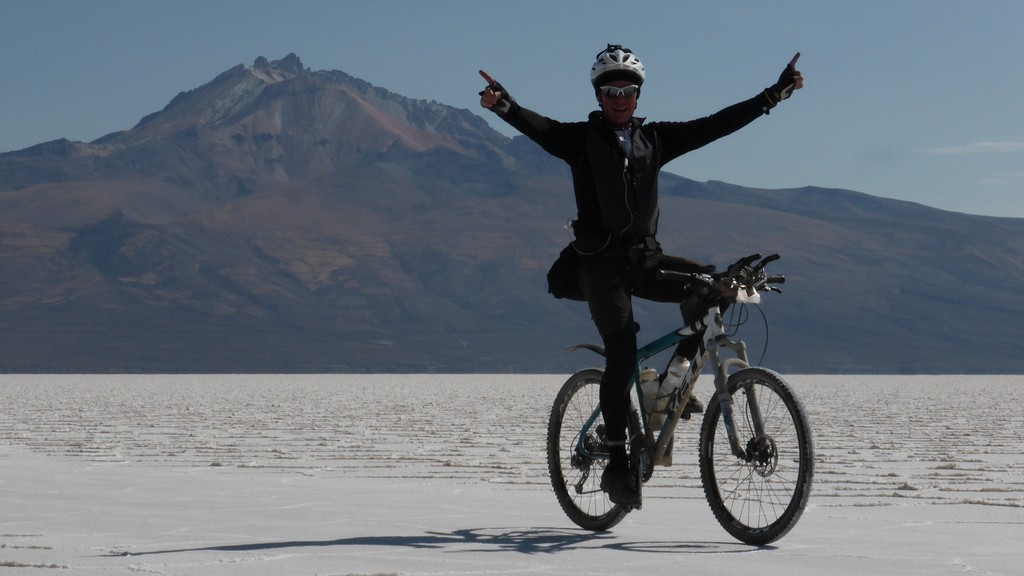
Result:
pixel 615 195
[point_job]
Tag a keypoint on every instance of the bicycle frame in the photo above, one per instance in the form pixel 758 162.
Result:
pixel 715 339
pixel 757 489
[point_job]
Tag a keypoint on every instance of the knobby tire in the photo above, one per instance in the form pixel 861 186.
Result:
pixel 576 477
pixel 759 501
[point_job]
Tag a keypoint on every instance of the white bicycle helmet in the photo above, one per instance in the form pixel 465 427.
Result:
pixel 616 63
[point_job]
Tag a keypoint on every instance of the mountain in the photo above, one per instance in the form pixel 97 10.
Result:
pixel 278 219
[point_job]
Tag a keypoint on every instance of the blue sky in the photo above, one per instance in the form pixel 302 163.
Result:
pixel 915 100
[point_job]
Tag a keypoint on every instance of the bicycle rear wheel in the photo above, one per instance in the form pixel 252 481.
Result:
pixel 575 469
pixel 758 499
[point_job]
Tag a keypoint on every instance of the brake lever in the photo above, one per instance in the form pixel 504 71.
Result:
pixel 768 259
pixel 765 261
pixel 748 260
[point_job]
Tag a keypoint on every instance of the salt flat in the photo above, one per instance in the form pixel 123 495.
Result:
pixel 435 474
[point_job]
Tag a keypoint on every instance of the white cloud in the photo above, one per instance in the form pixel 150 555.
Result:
pixel 979 148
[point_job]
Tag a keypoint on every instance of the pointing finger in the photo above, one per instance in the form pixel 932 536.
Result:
pixel 487 77
pixel 792 63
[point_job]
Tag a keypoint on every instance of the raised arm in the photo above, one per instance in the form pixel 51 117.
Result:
pixel 682 137
pixel 559 139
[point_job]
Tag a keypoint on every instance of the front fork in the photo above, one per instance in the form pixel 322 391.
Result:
pixel 725 399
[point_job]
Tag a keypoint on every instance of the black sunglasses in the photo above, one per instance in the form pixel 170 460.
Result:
pixel 615 91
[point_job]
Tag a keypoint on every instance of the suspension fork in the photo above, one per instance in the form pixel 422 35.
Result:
pixel 722 368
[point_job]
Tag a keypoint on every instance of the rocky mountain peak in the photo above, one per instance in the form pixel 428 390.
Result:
pixel 276 119
pixel 277 70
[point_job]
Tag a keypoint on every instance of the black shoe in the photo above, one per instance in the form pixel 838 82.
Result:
pixel 620 486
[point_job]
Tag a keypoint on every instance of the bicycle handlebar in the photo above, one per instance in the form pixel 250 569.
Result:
pixel 740 275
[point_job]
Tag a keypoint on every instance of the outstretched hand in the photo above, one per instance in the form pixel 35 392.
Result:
pixel 489 96
pixel 791 79
pixel 494 97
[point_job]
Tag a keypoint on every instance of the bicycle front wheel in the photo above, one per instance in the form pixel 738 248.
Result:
pixel 760 497
pixel 576 466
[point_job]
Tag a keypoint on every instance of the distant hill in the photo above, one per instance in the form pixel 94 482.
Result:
pixel 278 219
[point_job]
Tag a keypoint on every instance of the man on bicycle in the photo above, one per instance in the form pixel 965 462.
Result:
pixel 615 159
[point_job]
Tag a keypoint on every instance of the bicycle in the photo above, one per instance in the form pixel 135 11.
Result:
pixel 756 453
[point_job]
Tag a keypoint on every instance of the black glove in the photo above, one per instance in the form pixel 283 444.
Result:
pixel 504 103
pixel 789 80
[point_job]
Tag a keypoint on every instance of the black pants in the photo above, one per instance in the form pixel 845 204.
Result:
pixel 609 281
